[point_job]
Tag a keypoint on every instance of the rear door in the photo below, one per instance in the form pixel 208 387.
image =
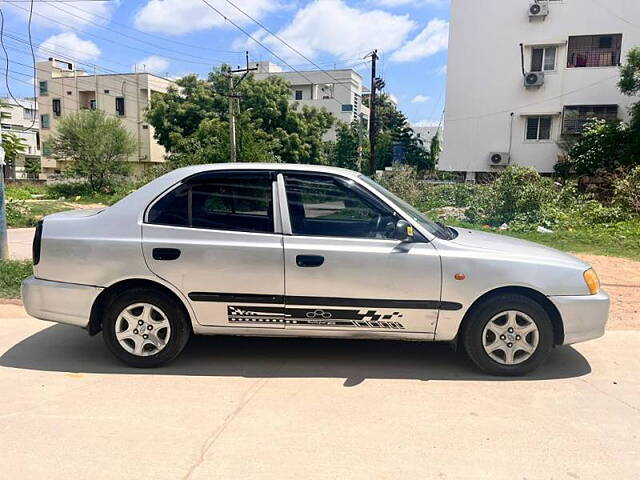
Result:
pixel 215 237
pixel 344 271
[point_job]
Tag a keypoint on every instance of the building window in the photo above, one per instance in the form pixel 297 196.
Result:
pixel 44 88
pixel 575 117
pixel 594 51
pixel 106 91
pixel 56 106
pixel 347 108
pixel 538 128
pixel 28 113
pixel 298 94
pixel 120 106
pixel 93 104
pixel 44 120
pixel 46 150
pixel 543 59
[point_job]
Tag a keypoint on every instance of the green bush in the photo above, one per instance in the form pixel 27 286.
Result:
pixel 12 273
pixel 627 191
pixel 17 193
pixel 18 214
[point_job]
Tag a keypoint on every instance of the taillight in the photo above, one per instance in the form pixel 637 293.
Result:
pixel 37 242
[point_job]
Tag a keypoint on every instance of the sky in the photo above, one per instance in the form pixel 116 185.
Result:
pixel 176 37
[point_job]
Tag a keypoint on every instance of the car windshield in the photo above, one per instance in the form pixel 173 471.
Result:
pixel 434 228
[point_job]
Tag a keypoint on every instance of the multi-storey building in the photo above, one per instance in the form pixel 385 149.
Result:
pixel 338 91
pixel 20 117
pixel 64 89
pixel 523 74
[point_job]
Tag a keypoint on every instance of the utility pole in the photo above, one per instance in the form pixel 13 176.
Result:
pixel 4 247
pixel 372 114
pixel 232 98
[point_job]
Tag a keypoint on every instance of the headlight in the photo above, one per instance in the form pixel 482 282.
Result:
pixel 592 281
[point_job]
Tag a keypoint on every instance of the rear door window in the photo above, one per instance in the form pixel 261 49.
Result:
pixel 239 201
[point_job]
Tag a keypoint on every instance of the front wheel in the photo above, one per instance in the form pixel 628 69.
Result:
pixel 509 335
pixel 145 328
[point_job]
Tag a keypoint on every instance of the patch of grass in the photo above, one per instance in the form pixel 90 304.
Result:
pixel 614 240
pixel 22 214
pixel 12 273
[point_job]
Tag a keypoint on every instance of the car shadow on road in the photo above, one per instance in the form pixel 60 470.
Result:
pixel 69 349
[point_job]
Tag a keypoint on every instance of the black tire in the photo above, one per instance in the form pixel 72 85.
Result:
pixel 179 322
pixel 473 334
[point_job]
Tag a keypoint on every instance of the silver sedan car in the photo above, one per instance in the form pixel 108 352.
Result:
pixel 299 250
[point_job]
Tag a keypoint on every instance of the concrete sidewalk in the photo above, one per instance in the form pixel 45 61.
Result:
pixel 302 408
pixel 20 240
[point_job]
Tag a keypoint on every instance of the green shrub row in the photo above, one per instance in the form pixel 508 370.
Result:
pixel 519 197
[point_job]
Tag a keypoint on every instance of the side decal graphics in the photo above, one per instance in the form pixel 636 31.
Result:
pixel 363 318
pixel 329 301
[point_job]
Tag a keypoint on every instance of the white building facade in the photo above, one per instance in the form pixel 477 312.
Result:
pixel 20 117
pixel 523 74
pixel 64 89
pixel 337 91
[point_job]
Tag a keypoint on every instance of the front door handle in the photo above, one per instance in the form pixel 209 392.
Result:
pixel 166 253
pixel 309 260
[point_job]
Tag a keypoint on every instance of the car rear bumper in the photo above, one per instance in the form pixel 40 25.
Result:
pixel 584 316
pixel 60 302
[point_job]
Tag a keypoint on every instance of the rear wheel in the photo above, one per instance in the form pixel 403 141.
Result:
pixel 145 328
pixel 509 335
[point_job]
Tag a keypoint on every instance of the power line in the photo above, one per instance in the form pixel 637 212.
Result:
pixel 151 35
pixel 274 35
pixel 262 45
pixel 112 41
pixel 209 60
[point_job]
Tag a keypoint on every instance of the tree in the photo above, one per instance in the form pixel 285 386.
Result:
pixel 350 147
pixel 605 147
pixel 396 140
pixel 96 147
pixel 13 146
pixel 191 122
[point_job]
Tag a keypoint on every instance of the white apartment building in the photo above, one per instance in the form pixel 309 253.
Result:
pixel 503 109
pixel 338 91
pixel 426 133
pixel 64 89
pixel 20 117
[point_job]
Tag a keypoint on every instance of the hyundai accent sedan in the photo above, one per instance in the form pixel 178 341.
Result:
pixel 299 250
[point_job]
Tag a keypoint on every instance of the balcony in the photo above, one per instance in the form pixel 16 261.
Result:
pixel 593 51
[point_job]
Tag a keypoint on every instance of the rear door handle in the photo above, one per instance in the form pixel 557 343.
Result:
pixel 309 260
pixel 166 253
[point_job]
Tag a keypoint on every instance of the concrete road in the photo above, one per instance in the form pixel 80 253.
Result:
pixel 20 240
pixel 246 408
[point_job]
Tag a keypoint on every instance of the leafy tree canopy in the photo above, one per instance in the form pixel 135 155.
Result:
pixel 96 146
pixel 192 123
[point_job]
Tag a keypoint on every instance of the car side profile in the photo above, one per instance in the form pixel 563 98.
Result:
pixel 300 250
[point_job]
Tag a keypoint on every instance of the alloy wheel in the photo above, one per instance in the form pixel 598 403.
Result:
pixel 142 329
pixel 510 337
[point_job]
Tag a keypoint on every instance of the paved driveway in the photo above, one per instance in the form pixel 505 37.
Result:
pixel 300 408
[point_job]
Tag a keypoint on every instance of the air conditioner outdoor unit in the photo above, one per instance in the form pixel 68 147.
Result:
pixel 499 159
pixel 534 79
pixel 539 9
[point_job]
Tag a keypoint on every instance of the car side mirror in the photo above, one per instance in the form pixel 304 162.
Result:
pixel 403 231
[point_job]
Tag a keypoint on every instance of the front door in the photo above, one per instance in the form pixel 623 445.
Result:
pixel 343 269
pixel 215 238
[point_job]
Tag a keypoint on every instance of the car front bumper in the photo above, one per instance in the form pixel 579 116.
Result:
pixel 60 302
pixel 584 316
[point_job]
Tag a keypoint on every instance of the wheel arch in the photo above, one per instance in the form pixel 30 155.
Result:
pixel 103 299
pixel 540 298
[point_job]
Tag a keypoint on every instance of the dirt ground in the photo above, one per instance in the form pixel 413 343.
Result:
pixel 620 277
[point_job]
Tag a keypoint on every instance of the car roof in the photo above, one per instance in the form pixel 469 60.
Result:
pixel 193 169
